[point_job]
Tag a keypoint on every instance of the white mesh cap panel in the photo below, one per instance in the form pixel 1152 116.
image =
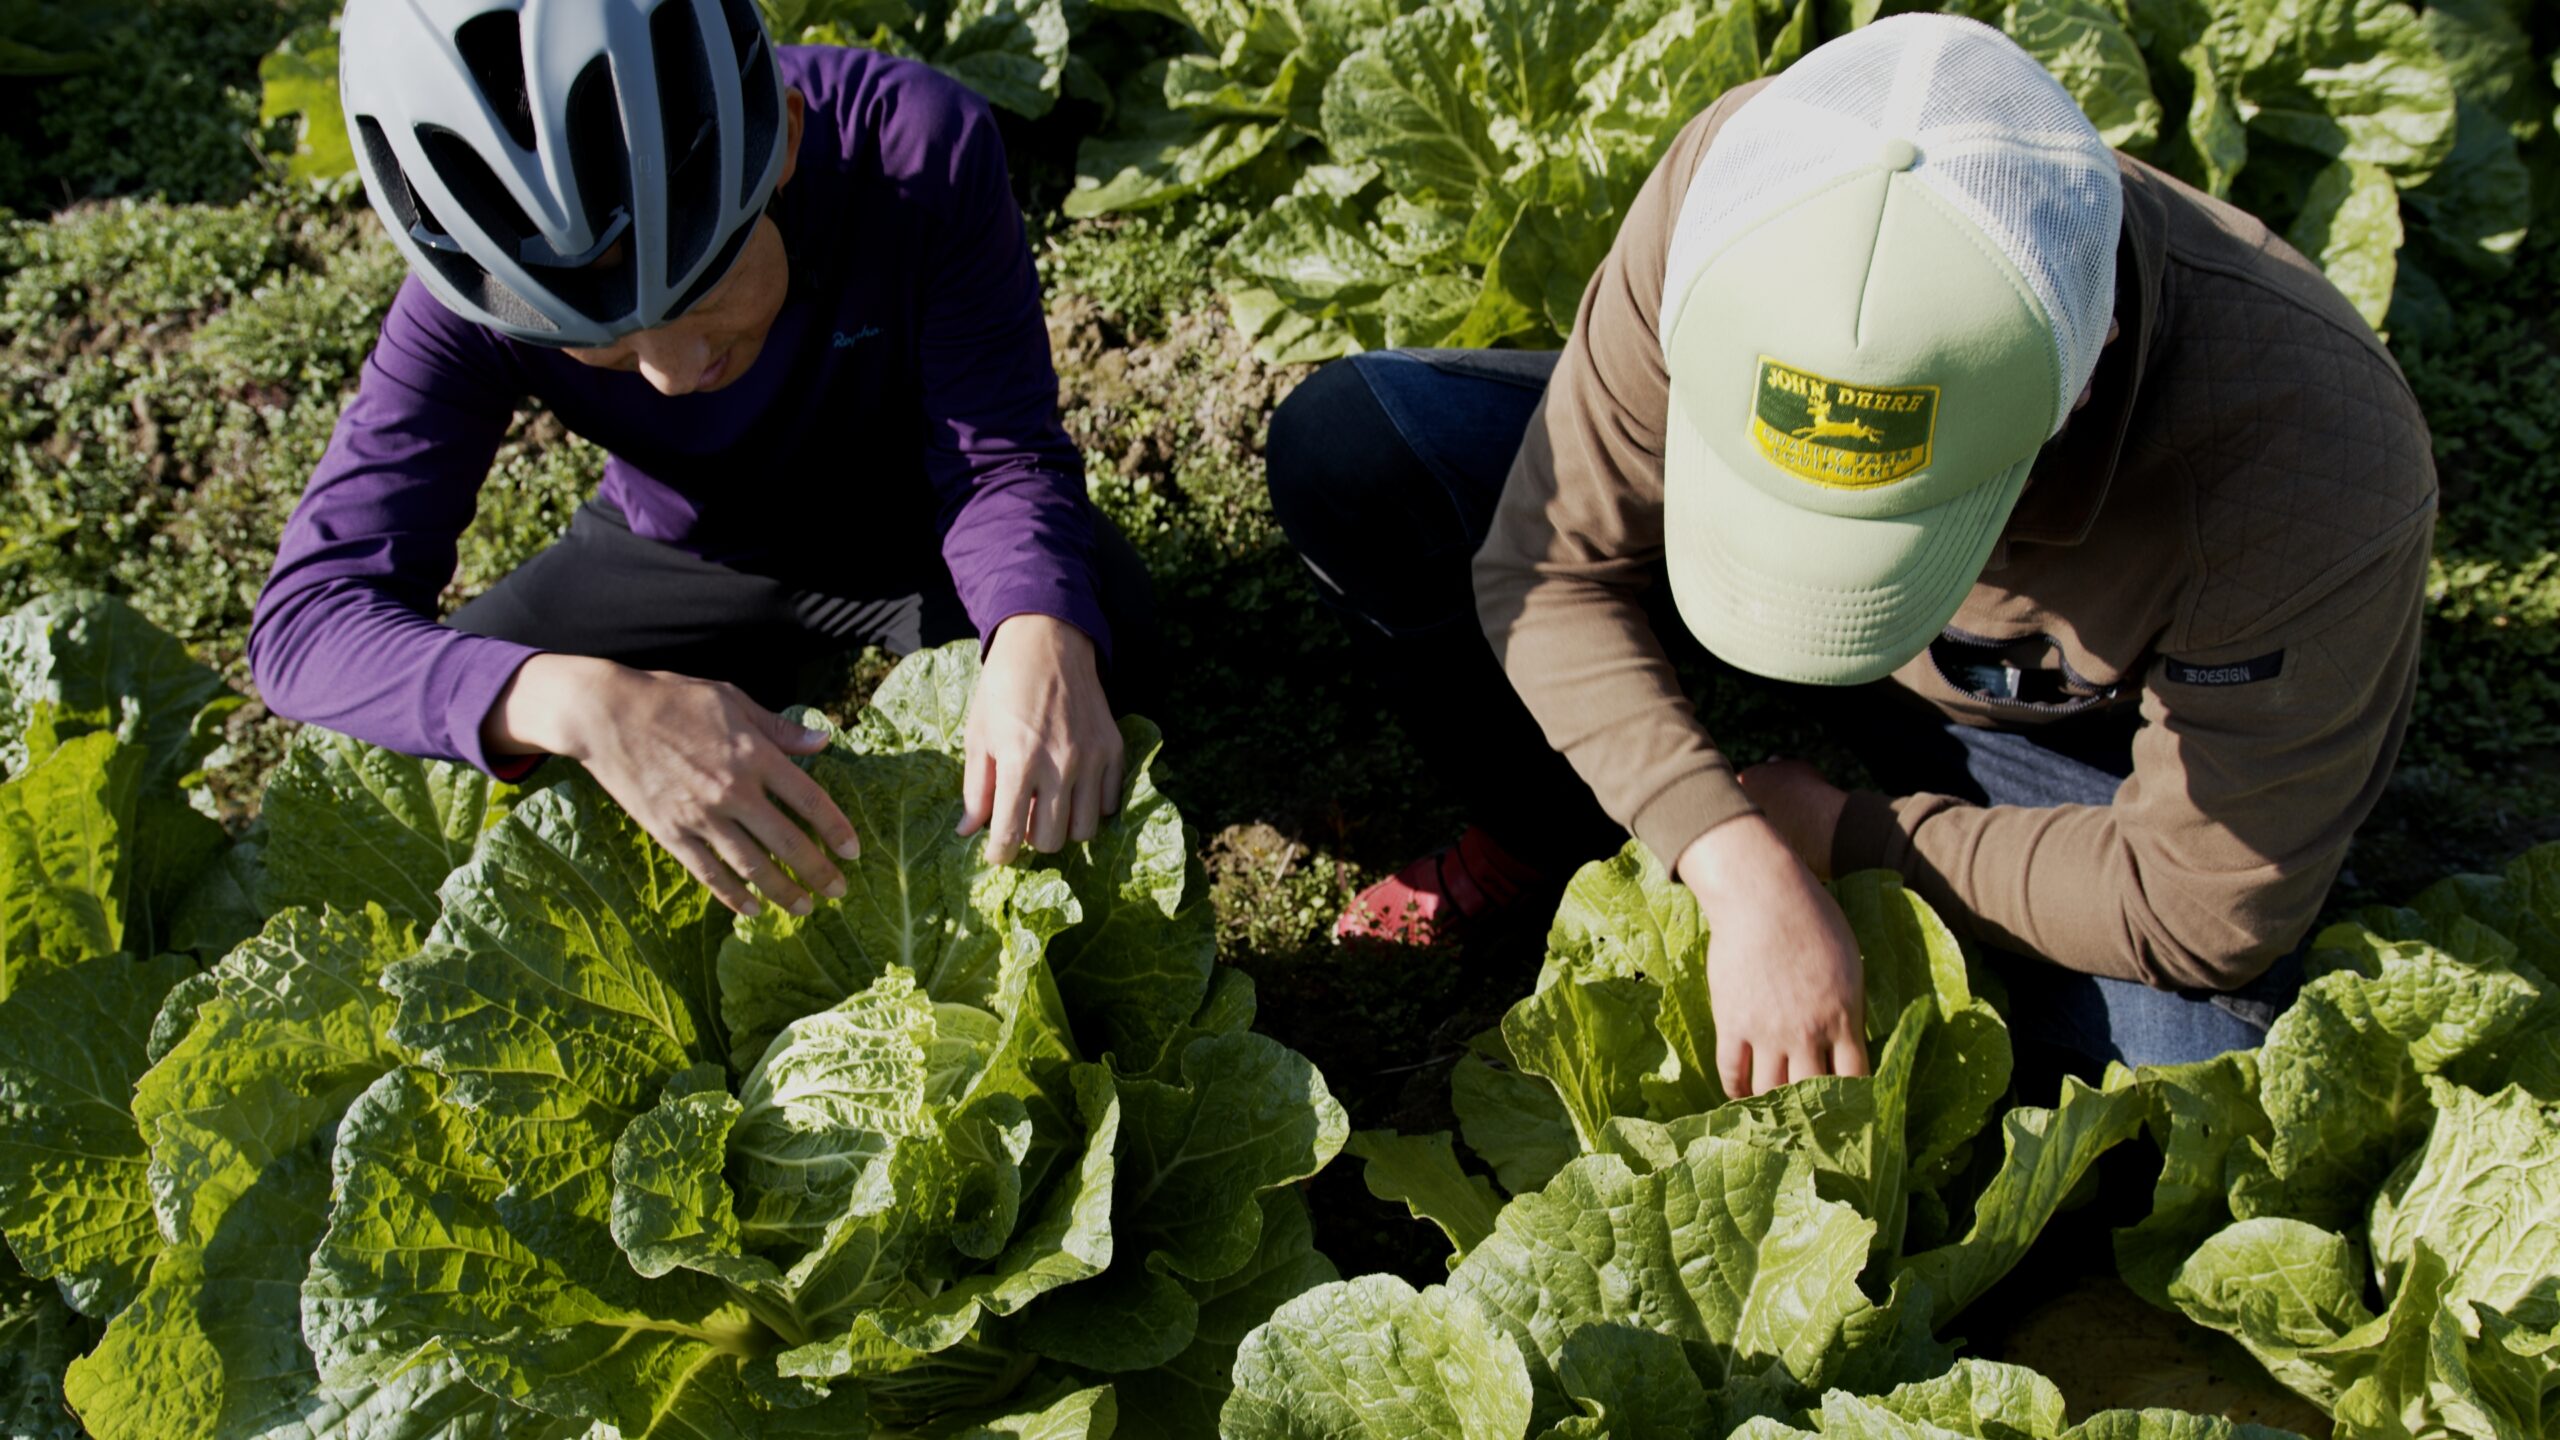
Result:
pixel 1999 138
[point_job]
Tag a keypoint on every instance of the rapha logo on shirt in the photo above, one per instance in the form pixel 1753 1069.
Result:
pixel 847 342
pixel 1837 435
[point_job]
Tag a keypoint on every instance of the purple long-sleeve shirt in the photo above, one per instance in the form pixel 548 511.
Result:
pixel 907 376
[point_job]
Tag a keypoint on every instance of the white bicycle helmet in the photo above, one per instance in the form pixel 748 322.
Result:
pixel 509 144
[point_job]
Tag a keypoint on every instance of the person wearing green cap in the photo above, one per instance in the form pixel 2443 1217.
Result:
pixel 2086 511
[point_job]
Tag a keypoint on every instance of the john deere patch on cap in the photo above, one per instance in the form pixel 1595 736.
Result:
pixel 1847 437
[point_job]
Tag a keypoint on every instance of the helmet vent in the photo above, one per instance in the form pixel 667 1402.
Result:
pixel 430 239
pixel 601 159
pixel 746 33
pixel 492 46
pixel 475 186
pixel 391 181
pixel 759 86
pixel 689 108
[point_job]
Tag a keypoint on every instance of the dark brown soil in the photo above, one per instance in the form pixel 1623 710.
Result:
pixel 2109 1350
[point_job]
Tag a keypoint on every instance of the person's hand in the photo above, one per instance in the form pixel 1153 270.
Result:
pixel 702 768
pixel 1783 975
pixel 1804 806
pixel 1044 761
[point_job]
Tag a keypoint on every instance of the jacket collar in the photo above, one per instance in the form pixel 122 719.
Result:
pixel 2076 468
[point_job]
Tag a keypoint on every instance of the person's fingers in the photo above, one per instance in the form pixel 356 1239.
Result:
pixel 1848 1057
pixel 1085 816
pixel 794 738
pixel 1051 811
pixel 708 868
pixel 977 790
pixel 810 801
pixel 1733 1067
pixel 771 830
pixel 1115 778
pixel 1768 1068
pixel 759 869
pixel 1007 818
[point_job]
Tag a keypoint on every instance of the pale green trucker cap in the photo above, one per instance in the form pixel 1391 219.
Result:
pixel 1891 277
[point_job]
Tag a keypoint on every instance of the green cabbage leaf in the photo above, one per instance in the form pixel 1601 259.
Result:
pixel 2397 1136
pixel 1614 1051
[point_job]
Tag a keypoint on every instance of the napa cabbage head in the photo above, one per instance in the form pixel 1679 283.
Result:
pixel 2397 1136
pixel 1613 1053
pixel 650 1166
pixel 1669 1260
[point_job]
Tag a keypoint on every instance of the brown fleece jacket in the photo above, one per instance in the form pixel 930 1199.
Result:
pixel 2232 536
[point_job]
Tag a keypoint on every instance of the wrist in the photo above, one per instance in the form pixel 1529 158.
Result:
pixel 1045 633
pixel 544 707
pixel 1744 862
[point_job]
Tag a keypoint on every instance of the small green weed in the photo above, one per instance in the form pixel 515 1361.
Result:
pixel 1141 270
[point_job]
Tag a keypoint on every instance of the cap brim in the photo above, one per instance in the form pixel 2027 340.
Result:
pixel 1797 595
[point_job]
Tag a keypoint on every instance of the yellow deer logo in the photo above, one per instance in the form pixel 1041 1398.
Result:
pixel 1826 428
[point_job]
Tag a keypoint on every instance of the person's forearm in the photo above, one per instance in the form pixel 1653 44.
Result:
pixel 1586 663
pixel 1017 547
pixel 1018 528
pixel 341 654
pixel 2076 885
pixel 344 633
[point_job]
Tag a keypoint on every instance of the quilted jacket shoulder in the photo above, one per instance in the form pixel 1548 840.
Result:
pixel 2305 451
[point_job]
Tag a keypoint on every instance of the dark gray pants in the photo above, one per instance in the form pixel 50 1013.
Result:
pixel 601 590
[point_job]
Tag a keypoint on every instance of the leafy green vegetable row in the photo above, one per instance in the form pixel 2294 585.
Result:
pixel 2370 1202
pixel 487 1121
pixel 1465 162
pixel 1017 53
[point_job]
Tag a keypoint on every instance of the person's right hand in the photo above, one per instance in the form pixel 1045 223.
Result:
pixel 1783 975
pixel 705 770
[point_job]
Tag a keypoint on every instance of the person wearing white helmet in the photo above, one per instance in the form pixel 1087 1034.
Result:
pixel 787 290
pixel 2084 510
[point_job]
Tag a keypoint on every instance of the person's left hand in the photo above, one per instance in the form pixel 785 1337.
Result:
pixel 1804 806
pixel 1044 761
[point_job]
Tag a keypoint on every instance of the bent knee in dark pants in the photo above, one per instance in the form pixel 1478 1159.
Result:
pixel 604 591
pixel 1385 470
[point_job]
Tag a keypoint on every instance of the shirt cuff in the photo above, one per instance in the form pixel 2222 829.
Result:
pixel 1063 599
pixel 1869 836
pixel 1676 816
pixel 493 666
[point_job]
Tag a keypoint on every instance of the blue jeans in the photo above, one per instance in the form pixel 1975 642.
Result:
pixel 1385 470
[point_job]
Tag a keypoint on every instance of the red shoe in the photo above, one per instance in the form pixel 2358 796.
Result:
pixel 1433 898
